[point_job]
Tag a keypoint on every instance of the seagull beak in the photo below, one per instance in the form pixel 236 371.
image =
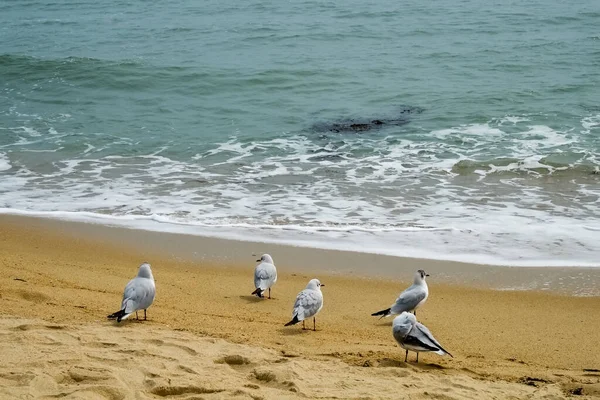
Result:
pixel 426 274
pixel 258 260
pixel 322 284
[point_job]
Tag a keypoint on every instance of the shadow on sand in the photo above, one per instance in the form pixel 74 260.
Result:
pixel 252 299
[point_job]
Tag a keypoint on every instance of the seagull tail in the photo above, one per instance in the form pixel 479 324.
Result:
pixel 294 321
pixel 258 292
pixel 119 315
pixel 444 351
pixel 383 313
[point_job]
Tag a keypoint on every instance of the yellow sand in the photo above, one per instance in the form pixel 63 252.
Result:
pixel 206 337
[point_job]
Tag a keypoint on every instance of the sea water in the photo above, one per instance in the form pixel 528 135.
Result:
pixel 214 118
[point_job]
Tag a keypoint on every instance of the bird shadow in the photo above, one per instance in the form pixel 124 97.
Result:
pixel 128 322
pixel 384 323
pixel 397 363
pixel 252 299
pixel 426 366
pixel 295 331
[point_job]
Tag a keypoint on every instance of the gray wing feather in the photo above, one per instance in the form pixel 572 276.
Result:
pixel 400 332
pixel 265 275
pixel 139 294
pixel 421 332
pixel 408 300
pixel 308 303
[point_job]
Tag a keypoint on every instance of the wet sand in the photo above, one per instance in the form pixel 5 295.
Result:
pixel 59 280
pixel 579 281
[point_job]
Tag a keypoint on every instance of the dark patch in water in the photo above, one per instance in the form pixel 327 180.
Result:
pixel 359 125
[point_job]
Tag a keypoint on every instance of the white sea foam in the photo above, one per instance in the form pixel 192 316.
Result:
pixel 448 199
pixel 477 130
pixel 591 122
pixel 4 162
pixel 513 119
pixel 31 131
pixel 411 243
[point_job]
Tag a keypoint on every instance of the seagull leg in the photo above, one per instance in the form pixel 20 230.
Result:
pixel 136 316
pixel 144 314
pixel 406 356
pixel 269 292
pixel 314 324
pixel 417 357
pixel 303 327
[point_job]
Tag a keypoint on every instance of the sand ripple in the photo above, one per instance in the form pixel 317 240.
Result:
pixel 103 361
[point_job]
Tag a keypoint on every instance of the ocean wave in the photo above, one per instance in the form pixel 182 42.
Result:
pixel 590 123
pixel 139 74
pixel 462 193
pixel 28 67
pixel 85 72
pixel 538 165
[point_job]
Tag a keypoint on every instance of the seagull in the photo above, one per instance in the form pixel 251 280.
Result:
pixel 265 275
pixel 139 294
pixel 308 304
pixel 410 299
pixel 414 336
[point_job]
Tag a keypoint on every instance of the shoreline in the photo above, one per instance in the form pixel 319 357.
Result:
pixel 310 238
pixel 505 343
pixel 573 281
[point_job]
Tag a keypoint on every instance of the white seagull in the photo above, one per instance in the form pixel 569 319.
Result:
pixel 410 299
pixel 414 336
pixel 308 303
pixel 139 294
pixel 265 275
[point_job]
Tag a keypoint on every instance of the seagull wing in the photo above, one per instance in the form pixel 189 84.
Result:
pixel 265 275
pixel 400 331
pixel 308 303
pixel 421 334
pixel 139 294
pixel 409 299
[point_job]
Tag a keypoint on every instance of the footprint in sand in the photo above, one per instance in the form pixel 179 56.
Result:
pixel 187 369
pixel 273 379
pixel 35 297
pixel 166 391
pixel 21 379
pixel 94 392
pixel 81 374
pixel 233 360
pixel 161 343
pixel 28 327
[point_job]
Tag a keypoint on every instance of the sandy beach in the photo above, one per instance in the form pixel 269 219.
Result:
pixel 206 337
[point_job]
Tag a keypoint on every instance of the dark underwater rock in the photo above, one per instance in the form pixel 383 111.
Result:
pixel 359 125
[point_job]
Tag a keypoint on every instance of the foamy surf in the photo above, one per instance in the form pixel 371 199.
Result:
pixel 482 150
pixel 453 198
pixel 4 162
pixel 577 249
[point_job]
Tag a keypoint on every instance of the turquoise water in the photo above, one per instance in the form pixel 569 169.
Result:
pixel 212 118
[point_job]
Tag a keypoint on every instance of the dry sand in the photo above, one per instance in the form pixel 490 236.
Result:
pixel 206 337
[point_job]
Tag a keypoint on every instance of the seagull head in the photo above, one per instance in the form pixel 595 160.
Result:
pixel 145 271
pixel 266 258
pixel 420 276
pixel 314 284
